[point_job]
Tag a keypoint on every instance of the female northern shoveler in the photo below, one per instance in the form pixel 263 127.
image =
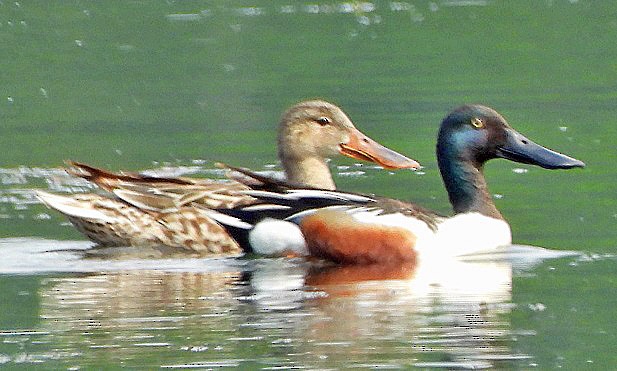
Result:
pixel 358 229
pixel 155 211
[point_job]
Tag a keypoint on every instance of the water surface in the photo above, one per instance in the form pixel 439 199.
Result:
pixel 171 87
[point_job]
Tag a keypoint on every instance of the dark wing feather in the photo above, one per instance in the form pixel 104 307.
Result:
pixel 282 200
pixel 109 180
pixel 259 181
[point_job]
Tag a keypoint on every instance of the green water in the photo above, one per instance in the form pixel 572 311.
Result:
pixel 141 85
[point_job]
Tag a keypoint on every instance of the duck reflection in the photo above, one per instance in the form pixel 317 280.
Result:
pixel 451 315
pixel 286 312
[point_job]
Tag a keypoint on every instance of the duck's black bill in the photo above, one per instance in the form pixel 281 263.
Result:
pixel 520 149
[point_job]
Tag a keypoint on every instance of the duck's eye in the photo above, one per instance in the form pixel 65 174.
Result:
pixel 324 120
pixel 477 123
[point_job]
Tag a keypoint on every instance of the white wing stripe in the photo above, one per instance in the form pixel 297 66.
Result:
pixel 297 194
pixel 226 219
pixel 264 194
pixel 265 207
pixel 306 193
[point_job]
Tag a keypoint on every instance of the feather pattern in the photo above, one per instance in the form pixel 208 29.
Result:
pixel 174 210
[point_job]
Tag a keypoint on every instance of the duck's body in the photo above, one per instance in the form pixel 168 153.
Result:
pixel 365 237
pixel 170 211
pixel 357 229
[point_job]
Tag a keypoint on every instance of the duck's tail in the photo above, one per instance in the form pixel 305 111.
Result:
pixel 72 207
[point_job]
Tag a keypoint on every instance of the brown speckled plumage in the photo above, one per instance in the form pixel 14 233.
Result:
pixel 186 228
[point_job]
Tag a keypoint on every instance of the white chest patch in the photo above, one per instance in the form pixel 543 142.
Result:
pixel 277 237
pixel 470 233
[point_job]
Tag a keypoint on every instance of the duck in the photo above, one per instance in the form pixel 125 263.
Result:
pixel 146 210
pixel 360 229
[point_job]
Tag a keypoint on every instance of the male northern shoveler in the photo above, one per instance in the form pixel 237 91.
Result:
pixel 152 211
pixel 358 229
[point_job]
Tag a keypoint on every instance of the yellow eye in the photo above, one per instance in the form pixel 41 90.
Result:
pixel 477 123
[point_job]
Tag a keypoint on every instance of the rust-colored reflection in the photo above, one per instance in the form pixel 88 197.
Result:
pixel 340 275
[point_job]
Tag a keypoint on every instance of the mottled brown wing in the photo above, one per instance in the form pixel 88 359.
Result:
pixel 187 228
pixel 164 193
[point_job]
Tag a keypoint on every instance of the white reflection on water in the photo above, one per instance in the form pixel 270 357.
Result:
pixel 185 312
pixel 359 9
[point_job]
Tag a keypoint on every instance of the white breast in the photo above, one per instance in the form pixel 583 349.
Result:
pixel 277 237
pixel 468 233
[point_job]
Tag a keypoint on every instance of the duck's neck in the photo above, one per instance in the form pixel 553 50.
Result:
pixel 466 186
pixel 310 171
